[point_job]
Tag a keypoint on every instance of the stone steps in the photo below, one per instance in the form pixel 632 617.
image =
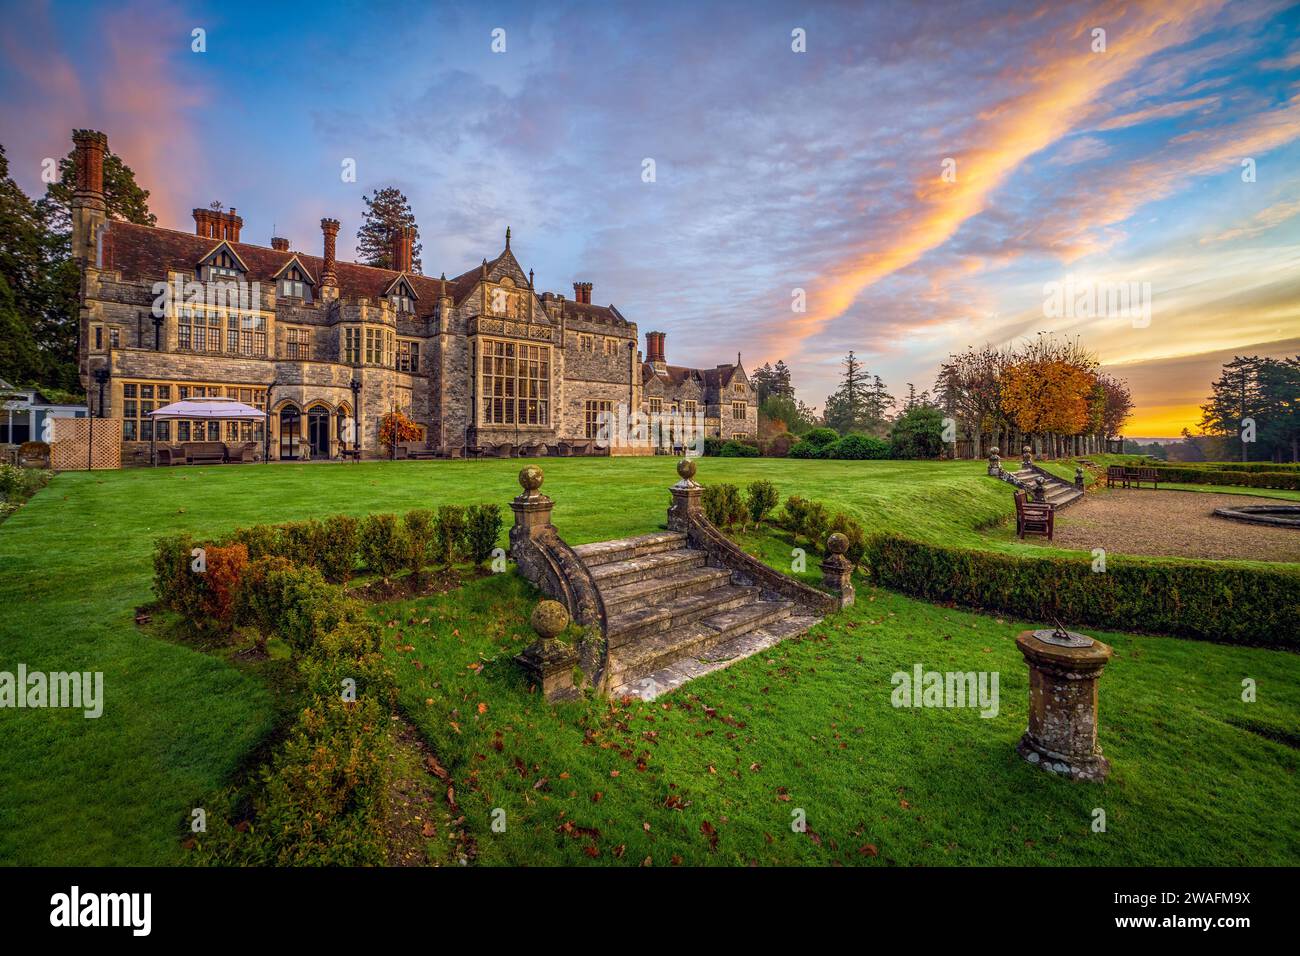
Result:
pixel 658 564
pixel 660 589
pixel 1057 491
pixel 670 617
pixel 605 552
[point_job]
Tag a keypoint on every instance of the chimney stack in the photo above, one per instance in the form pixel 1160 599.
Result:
pixel 217 225
pixel 654 350
pixel 89 210
pixel 582 292
pixel 279 244
pixel 403 240
pixel 328 273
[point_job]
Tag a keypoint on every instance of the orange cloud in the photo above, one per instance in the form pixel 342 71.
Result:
pixel 1061 87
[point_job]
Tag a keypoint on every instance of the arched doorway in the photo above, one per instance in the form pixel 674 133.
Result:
pixel 290 432
pixel 318 431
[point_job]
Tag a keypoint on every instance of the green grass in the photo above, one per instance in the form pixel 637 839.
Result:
pixel 178 723
pixel 809 725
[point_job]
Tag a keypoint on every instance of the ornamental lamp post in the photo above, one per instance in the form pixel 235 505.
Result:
pixel 355 385
pixel 266 425
pixel 101 379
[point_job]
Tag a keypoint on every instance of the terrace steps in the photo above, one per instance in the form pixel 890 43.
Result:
pixel 1059 492
pixel 670 617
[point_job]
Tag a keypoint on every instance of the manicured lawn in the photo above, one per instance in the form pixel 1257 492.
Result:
pixel 75 562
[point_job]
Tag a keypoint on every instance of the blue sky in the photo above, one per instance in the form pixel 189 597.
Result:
pixel 775 170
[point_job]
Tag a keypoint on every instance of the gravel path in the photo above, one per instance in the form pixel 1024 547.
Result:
pixel 1178 523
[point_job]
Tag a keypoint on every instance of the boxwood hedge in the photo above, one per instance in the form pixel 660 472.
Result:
pixel 1199 599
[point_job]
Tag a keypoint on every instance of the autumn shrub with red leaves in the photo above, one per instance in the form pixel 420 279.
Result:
pixel 225 569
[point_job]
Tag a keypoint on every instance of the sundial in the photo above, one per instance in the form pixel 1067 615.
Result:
pixel 1062 637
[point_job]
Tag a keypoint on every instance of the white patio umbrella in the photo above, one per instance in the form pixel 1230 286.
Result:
pixel 201 409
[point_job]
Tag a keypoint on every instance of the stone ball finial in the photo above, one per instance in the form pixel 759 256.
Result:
pixel 837 543
pixel 549 619
pixel 530 479
pixel 686 469
pixel 993 452
pixel 1026 450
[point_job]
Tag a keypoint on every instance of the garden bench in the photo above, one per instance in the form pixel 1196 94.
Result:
pixel 204 452
pixel 1034 517
pixel 353 454
pixel 1139 475
pixel 1116 475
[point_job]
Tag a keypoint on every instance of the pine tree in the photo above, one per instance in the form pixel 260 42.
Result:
pixel 846 408
pixel 386 211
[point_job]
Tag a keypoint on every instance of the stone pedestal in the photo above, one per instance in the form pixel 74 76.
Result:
pixel 837 570
pixel 532 513
pixel 1062 733
pixel 549 662
pixel 995 464
pixel 1078 477
pixel 1026 456
pixel 686 497
pixel 1038 490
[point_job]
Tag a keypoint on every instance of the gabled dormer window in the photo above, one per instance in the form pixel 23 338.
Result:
pixel 400 297
pixel 223 266
pixel 293 283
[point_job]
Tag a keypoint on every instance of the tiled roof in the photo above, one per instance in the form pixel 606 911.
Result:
pixel 603 314
pixel 147 252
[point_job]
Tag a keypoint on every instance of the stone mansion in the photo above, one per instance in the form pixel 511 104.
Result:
pixel 477 360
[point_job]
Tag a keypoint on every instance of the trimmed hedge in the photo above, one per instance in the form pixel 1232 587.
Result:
pixel 1203 600
pixel 1285 480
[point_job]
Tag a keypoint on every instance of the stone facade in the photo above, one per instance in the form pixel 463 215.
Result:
pixel 480 359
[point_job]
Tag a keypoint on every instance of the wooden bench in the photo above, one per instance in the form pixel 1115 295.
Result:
pixel 1116 475
pixel 1139 475
pixel 204 452
pixel 1034 517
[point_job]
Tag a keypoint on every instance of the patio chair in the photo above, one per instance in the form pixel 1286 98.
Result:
pixel 1034 517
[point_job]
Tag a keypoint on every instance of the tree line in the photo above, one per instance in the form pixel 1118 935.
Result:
pixel 1253 412
pixel 1048 393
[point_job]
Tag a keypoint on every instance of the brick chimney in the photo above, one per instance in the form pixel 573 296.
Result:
pixel 403 241
pixel 279 244
pixel 329 273
pixel 582 292
pixel 89 209
pixel 217 225
pixel 654 351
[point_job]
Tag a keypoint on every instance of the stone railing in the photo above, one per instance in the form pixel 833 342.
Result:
pixel 549 563
pixel 686 515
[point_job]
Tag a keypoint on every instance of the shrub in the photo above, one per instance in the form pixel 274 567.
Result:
pixel 858 447
pixel 383 548
pixel 820 437
pixel 918 433
pixel 815 520
pixel 259 605
pixel 449 531
pixel 1287 480
pixel 306 606
pixel 1200 599
pixel 336 553
pixel 803 449
pixel 852 529
pixel 723 505
pixel 796 516
pixel 712 446
pixel 738 449
pixel 419 539
pixel 11 480
pixel 482 528
pixel 261 540
pixel 225 567
pixel 300 541
pixel 175 582
pixel 762 498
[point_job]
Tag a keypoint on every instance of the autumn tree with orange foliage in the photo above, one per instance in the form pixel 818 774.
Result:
pixel 397 427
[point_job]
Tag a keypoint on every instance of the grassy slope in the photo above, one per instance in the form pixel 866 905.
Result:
pixel 810 725
pixel 74 562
